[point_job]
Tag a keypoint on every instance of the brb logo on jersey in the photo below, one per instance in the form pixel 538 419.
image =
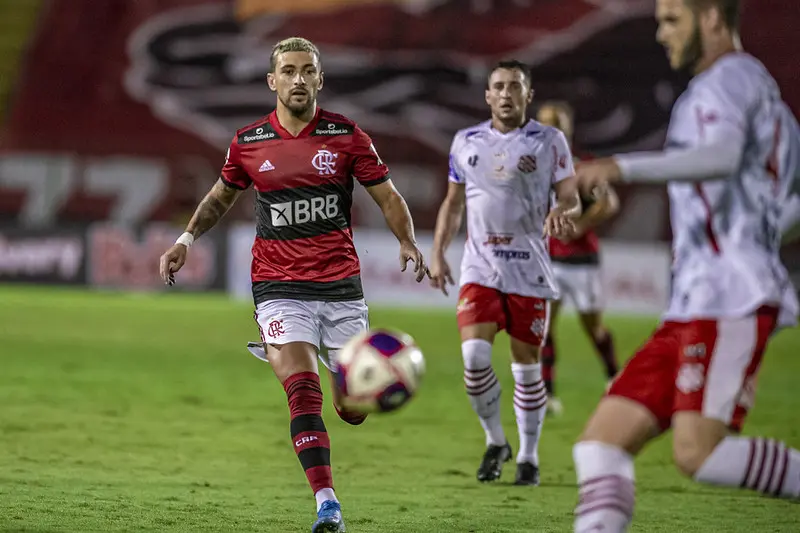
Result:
pixel 302 211
pixel 325 162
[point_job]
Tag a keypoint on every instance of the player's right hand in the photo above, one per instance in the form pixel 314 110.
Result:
pixel 172 261
pixel 440 274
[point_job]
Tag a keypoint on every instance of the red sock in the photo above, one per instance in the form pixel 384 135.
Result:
pixel 605 349
pixel 309 436
pixel 548 364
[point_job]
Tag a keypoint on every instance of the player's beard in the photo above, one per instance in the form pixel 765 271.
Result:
pixel 298 110
pixel 693 50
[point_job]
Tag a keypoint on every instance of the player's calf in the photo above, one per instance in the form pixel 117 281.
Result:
pixel 604 464
pixel 704 451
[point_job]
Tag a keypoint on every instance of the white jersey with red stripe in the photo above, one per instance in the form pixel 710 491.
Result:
pixel 509 178
pixel 726 234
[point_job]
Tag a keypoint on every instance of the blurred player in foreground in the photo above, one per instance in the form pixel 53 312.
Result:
pixel 732 156
pixel 576 265
pixel 503 171
pixel 301 161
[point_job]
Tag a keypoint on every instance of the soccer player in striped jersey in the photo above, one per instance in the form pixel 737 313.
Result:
pixel 303 162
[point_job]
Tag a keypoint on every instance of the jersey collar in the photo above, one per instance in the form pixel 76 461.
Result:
pixel 276 125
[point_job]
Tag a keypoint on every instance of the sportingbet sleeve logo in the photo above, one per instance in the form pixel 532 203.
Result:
pixel 302 211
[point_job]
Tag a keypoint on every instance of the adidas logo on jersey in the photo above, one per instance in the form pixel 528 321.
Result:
pixel 266 166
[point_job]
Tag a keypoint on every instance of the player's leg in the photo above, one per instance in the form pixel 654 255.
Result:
pixel 342 321
pixel 637 407
pixel 480 315
pixel 716 388
pixel 527 320
pixel 548 360
pixel 588 300
pixel 592 322
pixel 290 331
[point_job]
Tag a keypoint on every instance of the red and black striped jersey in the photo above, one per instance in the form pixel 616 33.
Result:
pixel 304 191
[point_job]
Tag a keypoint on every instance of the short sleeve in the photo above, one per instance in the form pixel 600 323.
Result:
pixel 562 165
pixel 233 173
pixel 454 172
pixel 368 168
pixel 720 107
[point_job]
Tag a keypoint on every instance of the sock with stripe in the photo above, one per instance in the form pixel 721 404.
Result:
pixel 765 465
pixel 605 487
pixel 309 436
pixel 483 388
pixel 530 401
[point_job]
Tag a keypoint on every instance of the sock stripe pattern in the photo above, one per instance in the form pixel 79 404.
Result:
pixel 767 464
pixel 530 396
pixel 479 381
pixel 309 435
pixel 615 493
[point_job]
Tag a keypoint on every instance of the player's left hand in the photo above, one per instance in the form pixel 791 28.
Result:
pixel 410 252
pixel 558 225
pixel 596 174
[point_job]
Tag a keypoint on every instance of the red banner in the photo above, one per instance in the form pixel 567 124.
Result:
pixel 147 94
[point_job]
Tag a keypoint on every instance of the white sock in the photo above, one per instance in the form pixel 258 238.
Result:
pixel 530 405
pixel 323 495
pixel 606 488
pixel 483 388
pixel 764 465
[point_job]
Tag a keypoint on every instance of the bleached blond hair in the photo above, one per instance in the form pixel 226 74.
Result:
pixel 292 44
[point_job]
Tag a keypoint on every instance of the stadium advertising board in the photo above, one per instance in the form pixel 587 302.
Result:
pixel 635 276
pixel 123 258
pixel 46 256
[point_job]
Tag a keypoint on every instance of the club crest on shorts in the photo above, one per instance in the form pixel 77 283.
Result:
pixel 691 378
pixel 275 328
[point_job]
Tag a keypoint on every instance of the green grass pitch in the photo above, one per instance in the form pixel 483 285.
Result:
pixel 146 413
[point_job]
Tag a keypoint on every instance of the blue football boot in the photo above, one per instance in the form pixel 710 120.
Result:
pixel 329 518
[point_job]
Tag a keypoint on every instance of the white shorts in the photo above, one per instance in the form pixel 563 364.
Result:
pixel 581 284
pixel 328 324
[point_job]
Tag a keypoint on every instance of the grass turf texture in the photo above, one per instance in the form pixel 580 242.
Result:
pixel 146 413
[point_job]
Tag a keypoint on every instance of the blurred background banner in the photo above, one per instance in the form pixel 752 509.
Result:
pixel 120 111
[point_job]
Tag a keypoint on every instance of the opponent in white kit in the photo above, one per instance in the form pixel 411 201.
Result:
pixel 504 172
pixel 732 159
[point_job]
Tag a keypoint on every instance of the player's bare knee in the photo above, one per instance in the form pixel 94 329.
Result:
pixel 622 423
pixel 524 353
pixel 292 358
pixel 485 331
pixel 693 440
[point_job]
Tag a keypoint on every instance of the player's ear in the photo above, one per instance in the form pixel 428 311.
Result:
pixel 486 94
pixel 321 80
pixel 531 92
pixel 271 81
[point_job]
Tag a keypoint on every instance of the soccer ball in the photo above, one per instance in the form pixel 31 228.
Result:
pixel 379 371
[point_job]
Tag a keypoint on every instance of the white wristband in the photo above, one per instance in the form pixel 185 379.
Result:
pixel 185 239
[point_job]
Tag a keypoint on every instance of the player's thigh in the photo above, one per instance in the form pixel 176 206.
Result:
pixel 340 322
pixel 291 334
pixel 527 322
pixel 480 312
pixel 718 364
pixel 638 405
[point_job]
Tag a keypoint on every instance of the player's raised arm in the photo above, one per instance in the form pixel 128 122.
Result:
pixel 232 181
